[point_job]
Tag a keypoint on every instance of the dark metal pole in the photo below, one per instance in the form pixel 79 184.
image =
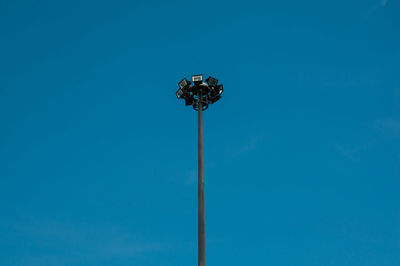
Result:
pixel 201 222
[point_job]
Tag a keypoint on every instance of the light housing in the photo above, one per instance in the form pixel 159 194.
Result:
pixel 179 93
pixel 213 91
pixel 197 79
pixel 220 89
pixel 215 98
pixel 184 83
pixel 212 81
pixel 189 100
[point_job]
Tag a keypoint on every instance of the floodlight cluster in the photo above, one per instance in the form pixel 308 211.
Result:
pixel 200 92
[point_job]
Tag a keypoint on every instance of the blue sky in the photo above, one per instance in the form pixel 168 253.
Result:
pixel 302 153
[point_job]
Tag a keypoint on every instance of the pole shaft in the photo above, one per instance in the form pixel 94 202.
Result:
pixel 201 222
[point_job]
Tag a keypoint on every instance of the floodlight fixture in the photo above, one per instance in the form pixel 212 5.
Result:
pixel 212 81
pixel 184 83
pixel 179 93
pixel 197 79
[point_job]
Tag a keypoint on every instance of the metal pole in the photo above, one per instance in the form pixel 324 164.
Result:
pixel 202 236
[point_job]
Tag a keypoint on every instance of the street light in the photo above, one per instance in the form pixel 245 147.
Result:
pixel 200 95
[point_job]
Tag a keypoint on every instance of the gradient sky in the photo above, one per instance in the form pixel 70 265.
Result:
pixel 98 159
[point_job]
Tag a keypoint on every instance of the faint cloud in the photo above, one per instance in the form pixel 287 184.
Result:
pixel 128 248
pixel 373 9
pixel 247 147
pixel 389 126
pixel 89 240
pixel 252 144
pixel 353 153
pixel 50 229
pixel 350 153
pixel 191 177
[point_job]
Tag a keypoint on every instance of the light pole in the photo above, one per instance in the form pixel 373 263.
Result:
pixel 200 95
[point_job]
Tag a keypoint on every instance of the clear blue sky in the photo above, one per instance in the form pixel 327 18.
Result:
pixel 98 157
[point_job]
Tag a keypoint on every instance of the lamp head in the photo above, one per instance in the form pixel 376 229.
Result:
pixel 212 82
pixel 197 79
